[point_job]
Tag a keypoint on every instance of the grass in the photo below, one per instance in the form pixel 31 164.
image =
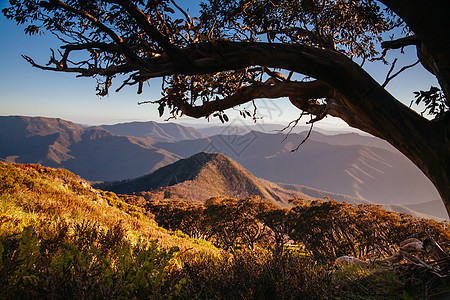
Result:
pixel 30 194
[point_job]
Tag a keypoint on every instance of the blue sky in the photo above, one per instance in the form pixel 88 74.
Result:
pixel 28 91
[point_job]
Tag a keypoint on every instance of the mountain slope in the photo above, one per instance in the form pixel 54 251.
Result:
pixel 433 207
pixel 207 175
pixel 94 154
pixel 161 131
pixel 33 139
pixel 202 176
pixel 371 173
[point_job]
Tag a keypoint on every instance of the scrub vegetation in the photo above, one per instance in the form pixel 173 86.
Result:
pixel 62 239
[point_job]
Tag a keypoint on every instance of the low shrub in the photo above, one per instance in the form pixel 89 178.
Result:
pixel 83 261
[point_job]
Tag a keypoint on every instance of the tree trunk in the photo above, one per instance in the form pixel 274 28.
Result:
pixel 430 22
pixel 425 143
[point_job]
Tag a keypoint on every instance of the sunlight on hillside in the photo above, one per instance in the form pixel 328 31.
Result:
pixel 61 238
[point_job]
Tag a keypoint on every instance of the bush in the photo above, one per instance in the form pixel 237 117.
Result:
pixel 254 275
pixel 90 263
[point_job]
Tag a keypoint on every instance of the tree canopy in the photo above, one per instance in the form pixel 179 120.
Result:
pixel 310 51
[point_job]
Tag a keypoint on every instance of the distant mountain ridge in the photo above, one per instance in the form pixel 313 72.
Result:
pixel 94 154
pixel 168 132
pixel 347 164
pixel 371 173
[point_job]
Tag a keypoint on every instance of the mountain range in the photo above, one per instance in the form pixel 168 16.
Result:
pixel 345 165
pixel 207 175
pixel 350 164
pixel 167 132
pixel 93 153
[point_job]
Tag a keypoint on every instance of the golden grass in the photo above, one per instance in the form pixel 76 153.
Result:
pixel 30 194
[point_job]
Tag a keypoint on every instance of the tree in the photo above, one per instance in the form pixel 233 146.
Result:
pixel 234 222
pixel 311 51
pixel 179 214
pixel 280 223
pixel 330 229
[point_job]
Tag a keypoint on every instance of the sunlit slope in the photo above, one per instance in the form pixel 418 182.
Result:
pixel 203 176
pixel 33 195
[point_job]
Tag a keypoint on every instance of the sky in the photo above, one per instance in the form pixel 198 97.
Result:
pixel 28 91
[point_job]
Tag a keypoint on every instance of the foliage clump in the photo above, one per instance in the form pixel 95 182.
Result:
pixel 63 261
pixel 323 230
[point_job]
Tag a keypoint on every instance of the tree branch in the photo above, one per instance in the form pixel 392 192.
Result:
pixel 117 39
pixel 402 42
pixel 299 90
pixel 389 77
pixel 86 72
pixel 354 89
pixel 171 50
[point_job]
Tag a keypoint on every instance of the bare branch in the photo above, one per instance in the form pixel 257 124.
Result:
pixel 293 126
pixel 86 72
pixel 305 139
pixel 389 78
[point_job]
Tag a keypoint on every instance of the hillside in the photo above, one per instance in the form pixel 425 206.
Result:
pixel 62 239
pixel 206 175
pixel 168 132
pixel 371 173
pixel 31 194
pixel 94 154
pixel 202 176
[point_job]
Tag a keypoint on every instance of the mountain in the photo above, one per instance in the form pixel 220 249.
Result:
pixel 168 132
pixel 206 175
pixel 318 134
pixel 36 139
pixel 203 176
pixel 433 207
pixel 95 154
pixel 351 138
pixel 371 173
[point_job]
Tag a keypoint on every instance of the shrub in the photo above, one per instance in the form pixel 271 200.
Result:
pixel 254 275
pixel 90 263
